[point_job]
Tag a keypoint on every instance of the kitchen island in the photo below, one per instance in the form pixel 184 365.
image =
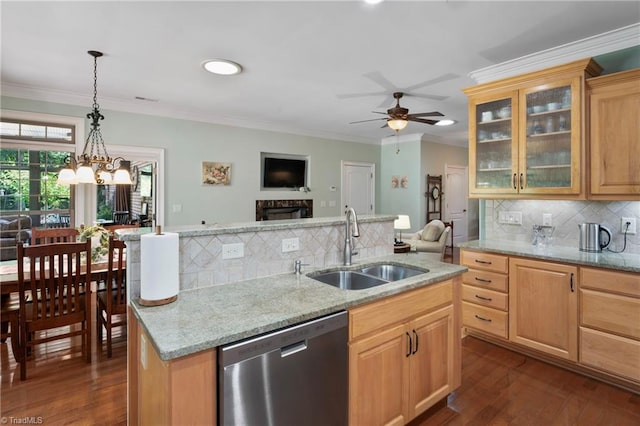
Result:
pixel 173 348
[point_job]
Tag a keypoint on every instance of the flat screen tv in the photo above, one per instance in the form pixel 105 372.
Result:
pixel 283 172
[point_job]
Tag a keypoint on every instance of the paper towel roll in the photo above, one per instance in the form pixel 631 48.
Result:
pixel 159 270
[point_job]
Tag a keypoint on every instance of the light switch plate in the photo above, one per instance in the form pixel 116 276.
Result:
pixel 510 217
pixel 547 219
pixel 290 244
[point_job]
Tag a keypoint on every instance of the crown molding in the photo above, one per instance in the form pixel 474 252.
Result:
pixel 600 44
pixel 159 110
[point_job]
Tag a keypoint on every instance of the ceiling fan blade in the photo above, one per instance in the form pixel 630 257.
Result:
pixel 426 114
pixel 364 121
pixel 432 97
pixel 378 112
pixel 423 120
pixel 444 77
pixel 377 77
pixel 360 95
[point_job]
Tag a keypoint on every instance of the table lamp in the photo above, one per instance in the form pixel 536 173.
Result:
pixel 402 222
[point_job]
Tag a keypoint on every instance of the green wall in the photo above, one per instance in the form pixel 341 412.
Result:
pixel 188 143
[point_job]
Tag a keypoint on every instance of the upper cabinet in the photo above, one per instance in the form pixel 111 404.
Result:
pixel 614 142
pixel 526 135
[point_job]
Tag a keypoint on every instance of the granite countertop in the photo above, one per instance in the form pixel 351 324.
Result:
pixel 205 318
pixel 132 234
pixel 628 262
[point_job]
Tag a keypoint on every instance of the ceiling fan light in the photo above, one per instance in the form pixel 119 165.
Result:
pixel 222 67
pixel 445 122
pixel 397 124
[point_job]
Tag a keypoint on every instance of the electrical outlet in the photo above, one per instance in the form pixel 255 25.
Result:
pixel 510 217
pixel 547 219
pixel 290 244
pixel 232 251
pixel 632 225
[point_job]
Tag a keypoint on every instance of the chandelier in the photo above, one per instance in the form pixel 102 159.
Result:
pixel 94 164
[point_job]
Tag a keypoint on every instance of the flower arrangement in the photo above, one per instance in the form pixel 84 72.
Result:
pixel 99 240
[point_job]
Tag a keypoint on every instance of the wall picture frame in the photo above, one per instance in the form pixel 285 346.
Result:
pixel 216 173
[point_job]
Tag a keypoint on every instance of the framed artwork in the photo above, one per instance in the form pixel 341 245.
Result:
pixel 216 173
pixel 395 181
pixel 404 182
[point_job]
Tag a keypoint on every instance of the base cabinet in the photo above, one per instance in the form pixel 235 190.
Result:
pixel 400 370
pixel 543 307
pixel 610 322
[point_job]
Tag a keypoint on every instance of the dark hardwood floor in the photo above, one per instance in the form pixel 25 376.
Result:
pixel 499 387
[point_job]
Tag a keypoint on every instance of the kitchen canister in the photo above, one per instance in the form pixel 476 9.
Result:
pixel 159 268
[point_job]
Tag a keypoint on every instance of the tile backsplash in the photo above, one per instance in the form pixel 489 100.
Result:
pixel 565 216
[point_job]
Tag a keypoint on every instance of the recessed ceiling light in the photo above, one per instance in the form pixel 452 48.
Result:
pixel 373 1
pixel 222 67
pixel 445 122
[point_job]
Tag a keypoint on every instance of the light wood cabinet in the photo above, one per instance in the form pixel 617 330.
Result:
pixel 526 134
pixel 543 307
pixel 409 361
pixel 610 322
pixel 485 298
pixel 181 391
pixel 614 106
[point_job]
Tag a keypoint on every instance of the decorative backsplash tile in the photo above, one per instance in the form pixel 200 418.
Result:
pixel 201 263
pixel 566 216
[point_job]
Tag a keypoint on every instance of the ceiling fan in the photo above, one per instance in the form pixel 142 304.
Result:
pixel 398 117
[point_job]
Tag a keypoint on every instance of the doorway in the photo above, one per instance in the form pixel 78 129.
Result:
pixel 358 187
pixel 456 201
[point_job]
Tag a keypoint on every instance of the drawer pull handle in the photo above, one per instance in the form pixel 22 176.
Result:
pixel 410 345
pixel 484 262
pixel 482 319
pixel 521 181
pixel 482 280
pixel 514 182
pixel 416 348
pixel 571 283
pixel 488 299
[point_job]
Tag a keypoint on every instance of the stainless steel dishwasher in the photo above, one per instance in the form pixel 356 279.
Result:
pixel 294 376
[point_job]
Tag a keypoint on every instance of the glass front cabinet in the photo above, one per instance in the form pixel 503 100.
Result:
pixel 528 140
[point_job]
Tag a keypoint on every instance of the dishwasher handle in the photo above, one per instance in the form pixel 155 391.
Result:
pixel 293 348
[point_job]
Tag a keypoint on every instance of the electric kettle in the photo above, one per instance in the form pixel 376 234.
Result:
pixel 590 237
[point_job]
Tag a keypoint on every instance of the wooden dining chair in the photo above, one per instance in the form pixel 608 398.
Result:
pixel 121 217
pixel 53 235
pixel 56 275
pixel 111 304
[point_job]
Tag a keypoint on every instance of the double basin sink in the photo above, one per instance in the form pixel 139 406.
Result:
pixel 367 276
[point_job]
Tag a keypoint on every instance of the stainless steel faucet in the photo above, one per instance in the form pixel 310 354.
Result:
pixel 350 230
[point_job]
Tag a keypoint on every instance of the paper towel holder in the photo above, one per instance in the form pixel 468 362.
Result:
pixel 159 302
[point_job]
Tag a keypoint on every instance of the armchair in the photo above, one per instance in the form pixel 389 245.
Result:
pixel 431 239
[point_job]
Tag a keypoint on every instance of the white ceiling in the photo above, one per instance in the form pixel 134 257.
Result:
pixel 310 68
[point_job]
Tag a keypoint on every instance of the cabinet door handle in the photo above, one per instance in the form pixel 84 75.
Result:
pixel 482 319
pixel 571 283
pixel 483 280
pixel 410 345
pixel 515 185
pixel 416 348
pixel 521 181
pixel 484 262
pixel 488 299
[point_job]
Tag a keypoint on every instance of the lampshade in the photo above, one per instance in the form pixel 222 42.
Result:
pixel 402 222
pixel 67 176
pixel 397 124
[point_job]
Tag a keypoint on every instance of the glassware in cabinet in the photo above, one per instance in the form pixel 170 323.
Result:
pixel 548 138
pixel 493 138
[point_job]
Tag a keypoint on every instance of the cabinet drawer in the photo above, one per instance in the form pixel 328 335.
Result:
pixel 395 309
pixel 610 353
pixel 611 312
pixel 489 320
pixel 485 261
pixel 484 279
pixel 616 282
pixel 481 296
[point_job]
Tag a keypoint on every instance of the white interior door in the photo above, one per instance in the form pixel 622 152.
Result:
pixel 456 201
pixel 358 187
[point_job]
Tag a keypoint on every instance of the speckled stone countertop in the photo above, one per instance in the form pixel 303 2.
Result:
pixel 233 228
pixel 619 261
pixel 209 317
